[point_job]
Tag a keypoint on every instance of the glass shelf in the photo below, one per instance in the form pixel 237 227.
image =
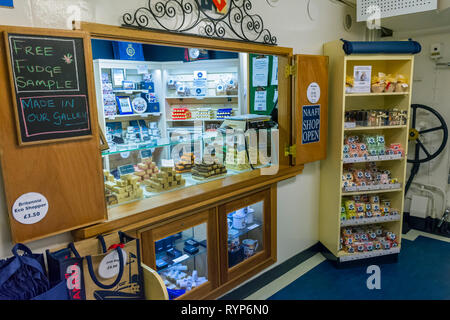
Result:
pixel 163 142
pixel 234 233
pixel 134 115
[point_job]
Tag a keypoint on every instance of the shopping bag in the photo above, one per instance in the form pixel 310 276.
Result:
pixel 23 277
pixel 105 268
pixel 58 292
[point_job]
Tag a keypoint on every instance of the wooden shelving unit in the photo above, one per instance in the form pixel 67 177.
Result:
pixel 331 192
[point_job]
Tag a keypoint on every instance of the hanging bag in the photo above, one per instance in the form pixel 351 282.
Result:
pixel 23 277
pixel 105 268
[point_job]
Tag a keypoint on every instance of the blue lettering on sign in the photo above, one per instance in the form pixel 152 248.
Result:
pixel 311 124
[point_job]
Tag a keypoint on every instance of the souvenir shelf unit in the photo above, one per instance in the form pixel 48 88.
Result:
pixel 363 178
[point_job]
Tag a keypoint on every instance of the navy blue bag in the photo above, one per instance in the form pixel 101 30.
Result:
pixel 58 292
pixel 23 277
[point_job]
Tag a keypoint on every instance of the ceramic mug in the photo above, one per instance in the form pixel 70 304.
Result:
pixel 250 247
pixel 239 220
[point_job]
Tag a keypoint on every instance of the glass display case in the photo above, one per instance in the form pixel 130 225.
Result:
pixel 245 233
pixel 181 259
pixel 170 124
pixel 246 237
pixel 184 254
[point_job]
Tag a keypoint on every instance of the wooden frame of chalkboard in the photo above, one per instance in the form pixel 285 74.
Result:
pixel 51 85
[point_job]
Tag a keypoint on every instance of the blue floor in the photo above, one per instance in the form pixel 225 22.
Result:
pixel 423 272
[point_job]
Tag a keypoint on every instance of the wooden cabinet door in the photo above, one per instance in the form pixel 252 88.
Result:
pixel 310 120
pixel 158 241
pixel 65 176
pixel 246 234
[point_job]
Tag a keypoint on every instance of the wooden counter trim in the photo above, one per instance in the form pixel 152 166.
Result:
pixel 180 40
pixel 142 213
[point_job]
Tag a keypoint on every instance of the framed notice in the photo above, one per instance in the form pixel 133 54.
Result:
pixel 362 79
pixel 124 104
pixel 49 86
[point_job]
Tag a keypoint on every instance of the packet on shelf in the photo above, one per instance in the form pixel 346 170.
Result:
pixel 369 146
pixel 204 114
pixel 367 238
pixel 363 206
pixel 175 278
pixel 166 179
pixel 181 114
pixel 378 83
pixel 402 84
pixel 125 189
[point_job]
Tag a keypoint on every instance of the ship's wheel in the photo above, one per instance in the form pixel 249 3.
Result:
pixel 420 139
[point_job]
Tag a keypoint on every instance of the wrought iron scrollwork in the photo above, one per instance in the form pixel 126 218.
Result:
pixel 189 16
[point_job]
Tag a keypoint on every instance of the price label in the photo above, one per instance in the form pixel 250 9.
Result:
pixel 110 264
pixel 30 208
pixel 168 163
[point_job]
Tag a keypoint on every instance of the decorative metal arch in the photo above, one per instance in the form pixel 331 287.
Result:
pixel 181 16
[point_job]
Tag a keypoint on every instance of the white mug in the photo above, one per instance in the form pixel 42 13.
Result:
pixel 239 220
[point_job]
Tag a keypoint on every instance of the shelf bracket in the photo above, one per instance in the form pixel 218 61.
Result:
pixel 290 151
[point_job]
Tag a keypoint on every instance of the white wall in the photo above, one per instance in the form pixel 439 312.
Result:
pixel 431 88
pixel 297 197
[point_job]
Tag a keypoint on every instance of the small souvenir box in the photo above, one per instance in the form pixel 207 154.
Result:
pixel 190 249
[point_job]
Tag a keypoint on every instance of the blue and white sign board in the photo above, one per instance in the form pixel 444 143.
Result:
pixel 310 124
pixel 128 169
pixel 146 153
pixel 7 3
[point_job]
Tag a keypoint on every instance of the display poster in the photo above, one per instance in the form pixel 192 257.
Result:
pixel 50 87
pixel 310 124
pixel 362 79
pixel 118 77
pixel 261 100
pixel 274 81
pixel 200 83
pixel 260 71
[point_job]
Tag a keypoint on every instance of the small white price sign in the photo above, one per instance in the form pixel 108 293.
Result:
pixel 110 264
pixel 30 208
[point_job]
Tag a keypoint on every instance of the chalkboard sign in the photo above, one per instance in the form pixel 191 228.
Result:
pixel 50 87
